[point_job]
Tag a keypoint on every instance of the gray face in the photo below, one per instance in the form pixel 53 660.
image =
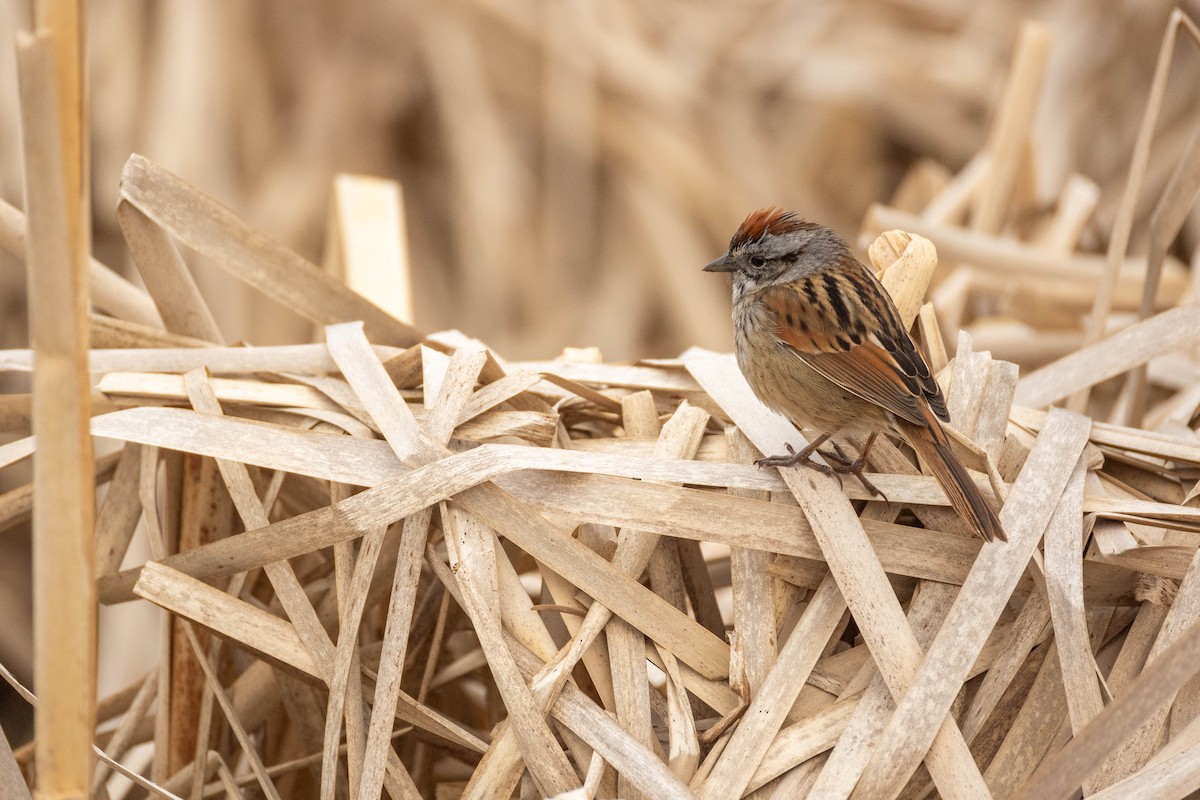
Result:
pixel 776 258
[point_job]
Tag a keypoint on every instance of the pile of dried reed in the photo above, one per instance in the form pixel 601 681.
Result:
pixel 398 562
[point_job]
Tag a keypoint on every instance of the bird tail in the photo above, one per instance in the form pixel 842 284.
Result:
pixel 933 448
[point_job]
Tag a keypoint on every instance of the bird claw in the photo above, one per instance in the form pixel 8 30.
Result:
pixel 777 461
pixel 841 463
pixel 789 460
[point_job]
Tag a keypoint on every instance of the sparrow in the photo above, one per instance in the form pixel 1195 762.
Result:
pixel 820 342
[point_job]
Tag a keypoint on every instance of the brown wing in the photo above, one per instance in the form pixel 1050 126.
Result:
pixel 822 317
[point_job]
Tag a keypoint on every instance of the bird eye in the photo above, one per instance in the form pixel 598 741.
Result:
pixel 757 261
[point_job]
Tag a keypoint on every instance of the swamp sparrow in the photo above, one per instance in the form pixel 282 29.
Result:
pixel 820 342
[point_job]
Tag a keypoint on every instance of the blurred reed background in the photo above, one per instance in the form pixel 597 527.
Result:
pixel 567 165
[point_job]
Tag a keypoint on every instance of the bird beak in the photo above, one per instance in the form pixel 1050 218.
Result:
pixel 722 264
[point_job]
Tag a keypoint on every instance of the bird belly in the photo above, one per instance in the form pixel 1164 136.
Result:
pixel 787 385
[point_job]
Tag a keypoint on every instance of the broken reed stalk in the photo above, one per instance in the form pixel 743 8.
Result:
pixel 54 131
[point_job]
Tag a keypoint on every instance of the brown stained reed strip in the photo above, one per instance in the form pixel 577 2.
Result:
pixel 55 136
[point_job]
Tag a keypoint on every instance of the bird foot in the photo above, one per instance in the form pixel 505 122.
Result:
pixel 801 459
pixel 841 464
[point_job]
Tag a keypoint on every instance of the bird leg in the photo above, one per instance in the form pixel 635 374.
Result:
pixel 841 463
pixel 803 457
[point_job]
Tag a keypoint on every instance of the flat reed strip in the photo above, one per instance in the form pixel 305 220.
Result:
pixel 55 135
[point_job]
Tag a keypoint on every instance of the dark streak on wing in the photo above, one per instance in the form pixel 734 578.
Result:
pixel 835 300
pixel 810 291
